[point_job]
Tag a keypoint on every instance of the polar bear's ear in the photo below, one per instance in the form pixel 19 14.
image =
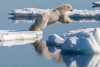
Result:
pixel 68 7
pixel 65 8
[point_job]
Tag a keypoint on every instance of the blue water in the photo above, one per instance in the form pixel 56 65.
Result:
pixel 27 55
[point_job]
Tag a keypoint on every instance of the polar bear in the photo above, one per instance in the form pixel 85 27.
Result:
pixel 57 14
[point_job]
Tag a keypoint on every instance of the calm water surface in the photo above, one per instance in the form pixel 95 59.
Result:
pixel 32 55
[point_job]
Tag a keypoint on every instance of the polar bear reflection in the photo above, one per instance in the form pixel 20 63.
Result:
pixel 70 60
pixel 41 47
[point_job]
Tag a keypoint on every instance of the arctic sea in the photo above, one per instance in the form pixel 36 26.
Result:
pixel 28 55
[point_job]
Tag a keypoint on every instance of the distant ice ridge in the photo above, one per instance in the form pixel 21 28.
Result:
pixel 84 13
pixel 28 11
pixel 36 11
pixel 82 40
pixel 96 3
pixel 18 35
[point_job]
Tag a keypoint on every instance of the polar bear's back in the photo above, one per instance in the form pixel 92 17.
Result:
pixel 46 19
pixel 51 16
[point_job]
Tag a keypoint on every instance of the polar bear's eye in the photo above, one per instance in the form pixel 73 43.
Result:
pixel 68 7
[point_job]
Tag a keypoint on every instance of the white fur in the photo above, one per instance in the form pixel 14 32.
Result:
pixel 58 14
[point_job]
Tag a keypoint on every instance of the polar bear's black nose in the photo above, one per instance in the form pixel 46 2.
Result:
pixel 71 10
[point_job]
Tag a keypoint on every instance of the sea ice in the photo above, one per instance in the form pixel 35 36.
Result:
pixel 82 40
pixel 18 35
pixel 36 11
pixel 76 15
pixel 96 3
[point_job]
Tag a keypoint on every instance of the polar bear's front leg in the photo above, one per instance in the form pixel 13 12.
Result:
pixel 64 19
pixel 67 20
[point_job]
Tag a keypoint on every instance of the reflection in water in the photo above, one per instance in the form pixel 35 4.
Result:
pixel 77 60
pixel 96 6
pixel 41 47
pixel 70 60
pixel 17 19
pixel 85 19
pixel 50 51
pixel 18 42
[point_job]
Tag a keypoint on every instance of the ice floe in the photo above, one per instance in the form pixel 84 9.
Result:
pixel 82 40
pixel 18 35
pixel 36 11
pixel 28 11
pixel 96 3
pixel 29 14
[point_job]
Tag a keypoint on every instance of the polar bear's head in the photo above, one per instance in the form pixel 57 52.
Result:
pixel 66 7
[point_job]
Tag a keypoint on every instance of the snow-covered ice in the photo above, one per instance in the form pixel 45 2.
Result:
pixel 76 15
pixel 28 11
pixel 82 40
pixel 36 11
pixel 18 35
pixel 96 3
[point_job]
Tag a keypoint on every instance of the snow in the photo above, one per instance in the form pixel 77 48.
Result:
pixel 55 39
pixel 81 41
pixel 28 11
pixel 18 35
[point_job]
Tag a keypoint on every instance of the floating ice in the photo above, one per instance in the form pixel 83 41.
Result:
pixel 18 35
pixel 82 40
pixel 35 12
pixel 96 3
pixel 28 11
pixel 55 39
pixel 76 15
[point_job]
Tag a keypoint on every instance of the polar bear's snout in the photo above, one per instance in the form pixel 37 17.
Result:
pixel 71 10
